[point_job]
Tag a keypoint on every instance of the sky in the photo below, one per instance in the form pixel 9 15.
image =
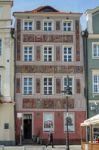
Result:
pixel 62 5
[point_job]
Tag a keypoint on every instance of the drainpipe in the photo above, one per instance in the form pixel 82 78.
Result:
pixel 85 52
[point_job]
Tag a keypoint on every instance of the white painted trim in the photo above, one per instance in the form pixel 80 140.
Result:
pixel 52 113
pixel 28 45
pixel 28 20
pixel 93 36
pixel 63 53
pixel 53 52
pixel 43 84
pixel 67 20
pixel 72 83
pixel 48 20
pixel 27 76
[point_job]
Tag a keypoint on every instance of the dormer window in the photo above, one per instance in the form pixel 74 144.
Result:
pixel 48 25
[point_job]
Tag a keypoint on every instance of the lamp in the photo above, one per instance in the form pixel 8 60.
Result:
pixel 68 92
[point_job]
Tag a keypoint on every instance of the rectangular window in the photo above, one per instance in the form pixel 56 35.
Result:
pixel 0 46
pixel 48 86
pixel 96 83
pixel 28 85
pixel 48 53
pixel 68 82
pixel 95 49
pixel 0 84
pixel 48 122
pixel 67 25
pixel 67 54
pixel 48 26
pixel 69 118
pixel 28 25
pixel 28 53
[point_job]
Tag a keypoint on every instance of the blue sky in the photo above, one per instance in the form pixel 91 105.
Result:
pixel 62 5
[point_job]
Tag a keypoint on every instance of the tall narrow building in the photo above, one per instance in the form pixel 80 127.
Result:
pixel 48 57
pixel 7 131
pixel 91 59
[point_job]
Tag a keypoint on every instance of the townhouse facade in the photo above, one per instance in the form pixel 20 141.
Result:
pixel 7 130
pixel 48 49
pixel 91 58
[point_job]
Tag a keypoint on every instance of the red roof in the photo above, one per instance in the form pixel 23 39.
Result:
pixel 47 9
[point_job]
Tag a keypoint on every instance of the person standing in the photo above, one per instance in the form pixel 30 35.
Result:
pixel 50 139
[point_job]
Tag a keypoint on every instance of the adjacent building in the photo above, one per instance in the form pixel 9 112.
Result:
pixel 48 50
pixel 7 130
pixel 91 59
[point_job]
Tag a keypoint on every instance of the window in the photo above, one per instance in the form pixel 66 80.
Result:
pixel 0 84
pixel 0 46
pixel 67 25
pixel 28 25
pixel 71 121
pixel 28 53
pixel 28 85
pixel 48 122
pixel 48 25
pixel 48 86
pixel 95 49
pixel 48 53
pixel 67 54
pixel 68 81
pixel 96 83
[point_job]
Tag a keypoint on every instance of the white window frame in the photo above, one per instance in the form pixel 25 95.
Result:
pixel 31 86
pixel 72 83
pixel 95 84
pixel 71 21
pixel 49 86
pixel 0 46
pixel 97 51
pixel 72 53
pixel 28 54
pixel 51 127
pixel 48 20
pixel 28 20
pixel 72 127
pixel 47 52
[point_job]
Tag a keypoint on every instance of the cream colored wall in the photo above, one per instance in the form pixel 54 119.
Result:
pixel 6 116
pixel 7 74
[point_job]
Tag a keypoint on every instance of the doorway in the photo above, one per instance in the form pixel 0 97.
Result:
pixel 27 130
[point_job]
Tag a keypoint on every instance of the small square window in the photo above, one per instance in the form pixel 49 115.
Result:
pixel 6 125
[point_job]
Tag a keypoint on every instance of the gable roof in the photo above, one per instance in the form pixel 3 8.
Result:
pixel 47 9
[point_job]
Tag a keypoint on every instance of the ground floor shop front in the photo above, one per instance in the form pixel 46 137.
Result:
pixel 35 126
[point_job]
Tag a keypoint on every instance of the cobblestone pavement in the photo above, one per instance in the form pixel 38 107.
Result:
pixel 63 147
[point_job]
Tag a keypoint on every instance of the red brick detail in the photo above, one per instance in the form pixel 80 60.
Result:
pixel 18 85
pixel 58 85
pixel 57 53
pixel 47 38
pixel 38 25
pixel 28 103
pixel 77 40
pixel 38 54
pixel 57 25
pixel 18 40
pixel 38 85
pixel 78 86
pixel 48 69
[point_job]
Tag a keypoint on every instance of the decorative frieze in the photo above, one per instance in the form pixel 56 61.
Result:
pixel 47 38
pixel 77 40
pixel 18 39
pixel 48 69
pixel 48 103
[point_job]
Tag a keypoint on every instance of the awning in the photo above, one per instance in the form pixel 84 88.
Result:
pixel 91 121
